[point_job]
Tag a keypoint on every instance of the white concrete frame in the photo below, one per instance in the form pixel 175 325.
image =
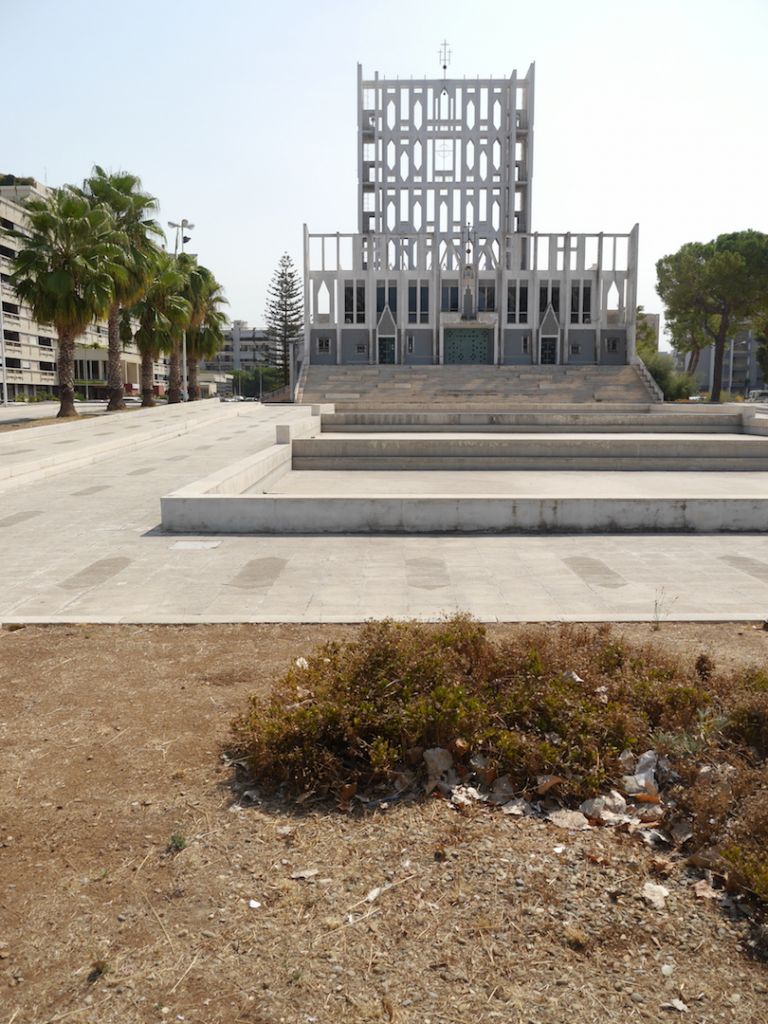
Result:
pixel 444 185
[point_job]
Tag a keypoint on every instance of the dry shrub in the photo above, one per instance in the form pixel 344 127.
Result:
pixel 354 713
pixel 564 700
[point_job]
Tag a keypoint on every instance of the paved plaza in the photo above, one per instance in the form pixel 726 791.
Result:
pixel 83 544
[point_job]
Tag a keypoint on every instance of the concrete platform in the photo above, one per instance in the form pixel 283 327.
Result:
pixel 522 484
pixel 86 545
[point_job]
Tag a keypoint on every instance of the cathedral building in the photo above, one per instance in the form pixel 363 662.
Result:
pixel 444 267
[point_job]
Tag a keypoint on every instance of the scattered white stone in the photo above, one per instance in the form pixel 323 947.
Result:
pixel 675 1004
pixel 656 895
pixel 573 676
pixel 573 820
pixel 302 663
pixel 463 796
pixel 518 808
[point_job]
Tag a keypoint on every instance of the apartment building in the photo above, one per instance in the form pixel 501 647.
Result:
pixel 445 266
pixel 245 348
pixel 28 354
pixel 742 369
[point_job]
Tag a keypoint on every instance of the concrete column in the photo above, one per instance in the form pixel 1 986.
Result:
pixel 632 256
pixel 599 284
pixel 564 315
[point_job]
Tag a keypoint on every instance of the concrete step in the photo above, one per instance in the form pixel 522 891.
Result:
pixel 376 421
pixel 673 452
pixel 425 385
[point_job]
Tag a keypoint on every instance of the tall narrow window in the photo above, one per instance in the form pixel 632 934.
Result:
pixel 380 297
pixel 450 298
pixel 349 303
pixel 575 303
pixel 586 304
pixel 360 302
pixel 424 297
pixel 512 303
pixel 413 310
pixel 392 297
pixel 486 298
pixel 543 298
pixel 522 308
pixel 555 298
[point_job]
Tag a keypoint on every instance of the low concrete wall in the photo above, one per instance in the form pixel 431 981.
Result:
pixel 282 514
pixel 262 469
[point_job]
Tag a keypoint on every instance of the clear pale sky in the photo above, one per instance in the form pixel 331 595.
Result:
pixel 241 114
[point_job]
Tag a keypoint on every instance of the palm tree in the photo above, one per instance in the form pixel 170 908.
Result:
pixel 205 334
pixel 130 208
pixel 161 312
pixel 66 272
pixel 188 266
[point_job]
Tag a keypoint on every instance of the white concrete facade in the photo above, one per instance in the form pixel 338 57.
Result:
pixel 444 266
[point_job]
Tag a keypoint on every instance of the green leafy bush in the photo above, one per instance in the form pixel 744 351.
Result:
pixel 673 383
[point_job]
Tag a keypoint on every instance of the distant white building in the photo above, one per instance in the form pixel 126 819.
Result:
pixel 742 371
pixel 245 348
pixel 444 266
pixel 29 350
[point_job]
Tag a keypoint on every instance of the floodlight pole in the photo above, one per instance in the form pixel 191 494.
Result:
pixel 181 227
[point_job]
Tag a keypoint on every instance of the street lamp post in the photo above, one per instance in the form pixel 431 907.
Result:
pixel 181 228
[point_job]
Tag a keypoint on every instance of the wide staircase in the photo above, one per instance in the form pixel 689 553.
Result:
pixel 433 387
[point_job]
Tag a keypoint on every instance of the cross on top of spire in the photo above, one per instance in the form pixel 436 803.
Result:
pixel 445 57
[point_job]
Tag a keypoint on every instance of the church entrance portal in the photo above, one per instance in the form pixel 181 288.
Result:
pixel 548 351
pixel 387 351
pixel 468 345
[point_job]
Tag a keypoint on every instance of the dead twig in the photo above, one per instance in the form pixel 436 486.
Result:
pixel 192 964
pixel 159 921
pixel 78 1009
pixel 384 888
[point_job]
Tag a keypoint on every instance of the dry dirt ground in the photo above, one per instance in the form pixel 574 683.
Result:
pixel 46 421
pixel 111 742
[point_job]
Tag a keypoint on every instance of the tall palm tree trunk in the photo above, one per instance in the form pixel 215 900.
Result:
pixel 147 380
pixel 192 381
pixel 174 375
pixel 115 387
pixel 66 368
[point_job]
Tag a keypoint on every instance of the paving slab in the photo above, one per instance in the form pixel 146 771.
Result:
pixel 57 529
pixel 519 483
